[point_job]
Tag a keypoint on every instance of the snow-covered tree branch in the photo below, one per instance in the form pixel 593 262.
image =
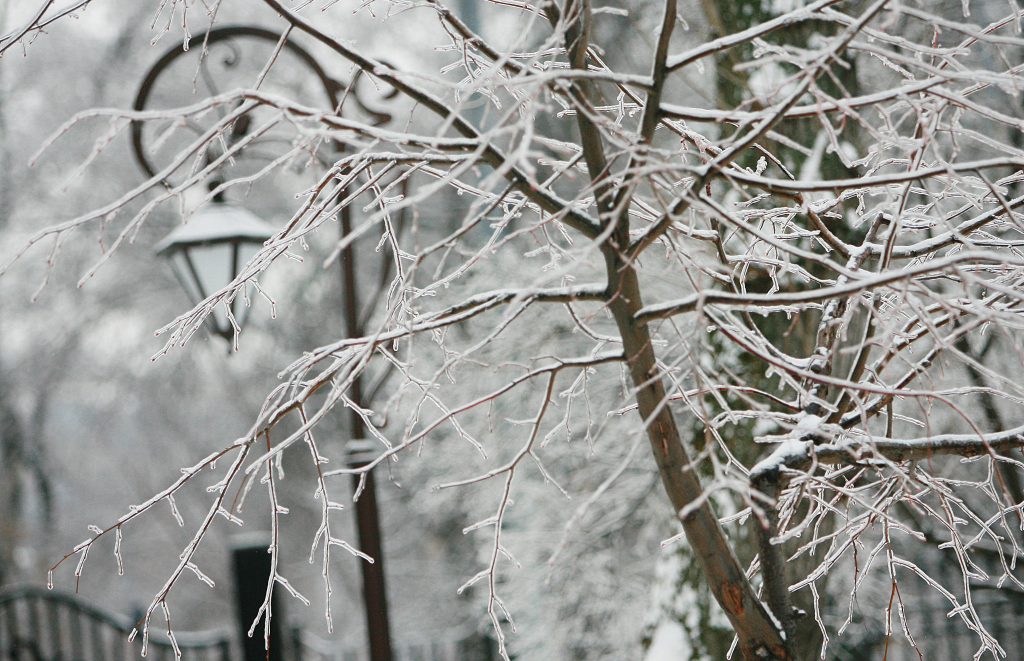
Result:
pixel 804 286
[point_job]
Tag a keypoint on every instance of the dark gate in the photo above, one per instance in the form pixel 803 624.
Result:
pixel 48 625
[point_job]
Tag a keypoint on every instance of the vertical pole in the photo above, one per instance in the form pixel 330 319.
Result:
pixel 367 516
pixel 374 587
pixel 52 616
pixel 296 636
pixel 251 565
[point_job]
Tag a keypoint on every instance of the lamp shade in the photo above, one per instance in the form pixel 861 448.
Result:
pixel 209 251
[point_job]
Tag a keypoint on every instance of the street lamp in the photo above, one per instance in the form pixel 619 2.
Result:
pixel 208 251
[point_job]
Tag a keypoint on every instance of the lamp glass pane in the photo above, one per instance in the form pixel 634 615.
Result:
pixel 213 263
pixel 246 251
pixel 185 275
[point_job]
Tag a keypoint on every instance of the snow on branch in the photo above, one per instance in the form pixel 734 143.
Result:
pixel 797 289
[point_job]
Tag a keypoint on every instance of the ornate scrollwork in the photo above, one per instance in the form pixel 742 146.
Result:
pixel 222 54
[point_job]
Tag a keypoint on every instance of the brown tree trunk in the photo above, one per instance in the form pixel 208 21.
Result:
pixel 760 638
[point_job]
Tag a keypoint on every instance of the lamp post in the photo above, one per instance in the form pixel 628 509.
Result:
pixel 208 252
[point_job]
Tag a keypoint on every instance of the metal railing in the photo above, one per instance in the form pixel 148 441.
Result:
pixel 37 624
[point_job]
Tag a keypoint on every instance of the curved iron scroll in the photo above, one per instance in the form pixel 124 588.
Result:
pixel 335 90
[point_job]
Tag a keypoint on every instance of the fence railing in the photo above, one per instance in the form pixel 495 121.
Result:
pixel 37 624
